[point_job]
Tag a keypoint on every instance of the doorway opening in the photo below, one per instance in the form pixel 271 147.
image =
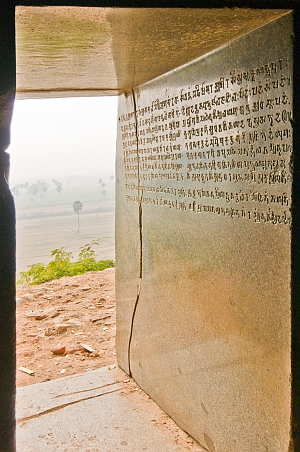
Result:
pixel 63 153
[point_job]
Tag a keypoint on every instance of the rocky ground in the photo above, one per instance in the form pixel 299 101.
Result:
pixel 65 327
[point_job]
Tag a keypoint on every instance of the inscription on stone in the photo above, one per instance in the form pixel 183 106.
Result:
pixel 221 147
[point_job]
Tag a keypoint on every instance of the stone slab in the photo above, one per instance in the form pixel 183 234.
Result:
pixel 206 187
pixel 84 51
pixel 98 411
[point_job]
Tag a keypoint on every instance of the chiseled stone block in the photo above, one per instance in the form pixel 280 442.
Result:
pixel 204 241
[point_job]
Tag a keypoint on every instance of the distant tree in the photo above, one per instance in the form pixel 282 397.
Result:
pixel 16 192
pixel 77 206
pixel 45 188
pixel 35 191
pixel 103 185
pixel 104 193
pixel 59 189
pixel 100 181
pixel 58 186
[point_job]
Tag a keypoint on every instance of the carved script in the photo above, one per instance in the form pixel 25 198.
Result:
pixel 221 147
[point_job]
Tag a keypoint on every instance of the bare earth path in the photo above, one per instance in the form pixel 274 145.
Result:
pixel 61 322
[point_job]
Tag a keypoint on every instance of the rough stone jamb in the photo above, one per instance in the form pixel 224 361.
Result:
pixel 7 235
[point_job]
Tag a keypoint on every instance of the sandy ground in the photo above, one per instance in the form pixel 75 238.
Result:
pixel 66 326
pixel 60 323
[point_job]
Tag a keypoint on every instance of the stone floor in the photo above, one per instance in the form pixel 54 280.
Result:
pixel 97 411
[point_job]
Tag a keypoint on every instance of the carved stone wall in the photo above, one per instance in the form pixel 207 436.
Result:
pixel 203 240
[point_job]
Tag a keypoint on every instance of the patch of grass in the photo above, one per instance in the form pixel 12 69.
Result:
pixel 62 265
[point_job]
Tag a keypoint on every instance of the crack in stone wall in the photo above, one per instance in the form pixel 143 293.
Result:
pixel 140 225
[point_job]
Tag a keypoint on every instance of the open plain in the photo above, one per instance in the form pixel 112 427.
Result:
pixel 48 221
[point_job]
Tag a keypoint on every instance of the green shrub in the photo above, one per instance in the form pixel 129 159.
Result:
pixel 62 265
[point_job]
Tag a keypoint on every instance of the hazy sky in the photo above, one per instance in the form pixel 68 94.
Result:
pixel 52 138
